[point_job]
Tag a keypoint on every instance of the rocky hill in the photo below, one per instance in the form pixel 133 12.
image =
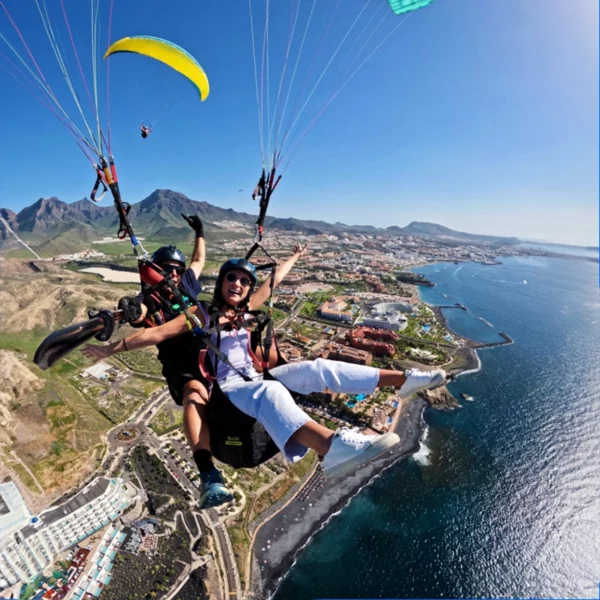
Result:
pixel 439 231
pixel 56 224
pixel 49 299
pixel 17 383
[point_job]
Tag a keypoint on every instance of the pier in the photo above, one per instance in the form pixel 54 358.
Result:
pixel 506 340
pixel 457 305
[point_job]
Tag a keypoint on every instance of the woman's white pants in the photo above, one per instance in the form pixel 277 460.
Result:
pixel 270 402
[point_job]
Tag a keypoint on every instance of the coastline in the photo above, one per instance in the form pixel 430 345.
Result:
pixel 295 521
pixel 466 357
pixel 292 523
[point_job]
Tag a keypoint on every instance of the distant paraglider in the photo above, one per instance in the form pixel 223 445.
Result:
pixel 146 131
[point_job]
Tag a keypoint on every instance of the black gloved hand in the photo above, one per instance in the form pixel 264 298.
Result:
pixel 195 223
pixel 131 307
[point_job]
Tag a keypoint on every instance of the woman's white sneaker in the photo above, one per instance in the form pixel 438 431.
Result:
pixel 417 380
pixel 350 450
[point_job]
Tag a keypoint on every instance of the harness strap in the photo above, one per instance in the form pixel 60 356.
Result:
pixel 99 181
pixel 202 366
pixel 122 232
pixel 156 313
pixel 216 349
pixel 273 266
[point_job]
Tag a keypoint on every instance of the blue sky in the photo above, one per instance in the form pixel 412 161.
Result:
pixel 481 115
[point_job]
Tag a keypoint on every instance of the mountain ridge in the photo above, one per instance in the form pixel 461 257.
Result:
pixel 160 213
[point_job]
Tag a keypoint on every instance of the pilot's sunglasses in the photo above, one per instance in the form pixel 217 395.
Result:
pixel 231 277
pixel 177 268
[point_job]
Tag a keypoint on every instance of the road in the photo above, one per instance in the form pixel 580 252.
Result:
pixel 293 313
pixel 118 450
pixel 226 551
pixel 212 516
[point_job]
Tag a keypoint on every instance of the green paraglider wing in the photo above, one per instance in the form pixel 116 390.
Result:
pixel 404 6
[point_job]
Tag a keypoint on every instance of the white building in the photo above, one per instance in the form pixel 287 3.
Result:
pixel 100 565
pixel 379 323
pixel 14 513
pixel 392 308
pixel 100 370
pixel 388 315
pixel 424 355
pixel 27 551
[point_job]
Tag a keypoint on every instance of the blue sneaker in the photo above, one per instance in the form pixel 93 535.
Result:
pixel 213 490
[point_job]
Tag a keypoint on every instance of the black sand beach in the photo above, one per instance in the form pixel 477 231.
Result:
pixel 293 523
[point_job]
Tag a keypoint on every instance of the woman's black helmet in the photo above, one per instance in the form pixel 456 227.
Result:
pixel 168 254
pixel 235 264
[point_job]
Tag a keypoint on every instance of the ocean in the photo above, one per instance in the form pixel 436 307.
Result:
pixel 503 498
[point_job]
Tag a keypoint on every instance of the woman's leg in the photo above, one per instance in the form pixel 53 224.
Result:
pixel 213 487
pixel 321 374
pixel 295 432
pixel 270 403
pixel 313 436
pixel 195 398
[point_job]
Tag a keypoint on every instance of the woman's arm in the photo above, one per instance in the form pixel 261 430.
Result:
pixel 142 338
pixel 264 291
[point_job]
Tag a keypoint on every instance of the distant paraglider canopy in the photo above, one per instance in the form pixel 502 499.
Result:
pixel 403 6
pixel 169 54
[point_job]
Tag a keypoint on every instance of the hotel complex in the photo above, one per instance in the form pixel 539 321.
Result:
pixel 28 544
pixel 387 315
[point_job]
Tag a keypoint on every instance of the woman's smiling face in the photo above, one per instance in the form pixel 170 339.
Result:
pixel 235 287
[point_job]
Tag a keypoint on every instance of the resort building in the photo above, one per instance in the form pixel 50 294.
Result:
pixel 337 310
pixel 376 341
pixel 388 315
pixel 101 565
pixel 423 355
pixel 27 551
pixel 382 323
pixel 291 353
pixel 349 355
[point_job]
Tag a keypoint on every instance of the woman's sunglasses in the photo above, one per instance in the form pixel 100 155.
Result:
pixel 231 277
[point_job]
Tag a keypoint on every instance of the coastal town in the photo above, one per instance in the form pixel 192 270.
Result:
pixel 134 527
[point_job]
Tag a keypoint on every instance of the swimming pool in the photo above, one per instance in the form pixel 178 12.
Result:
pixel 352 400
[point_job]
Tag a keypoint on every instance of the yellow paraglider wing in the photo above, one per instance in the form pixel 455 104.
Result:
pixel 169 54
